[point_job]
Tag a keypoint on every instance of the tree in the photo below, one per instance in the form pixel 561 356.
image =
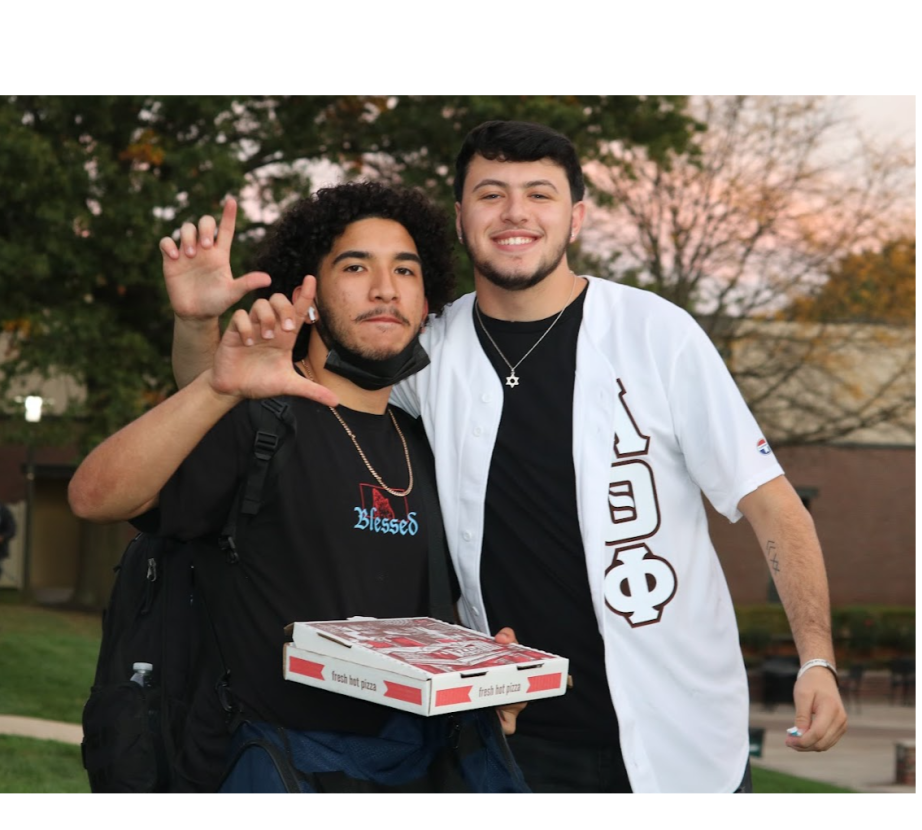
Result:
pixel 754 220
pixel 872 286
pixel 91 183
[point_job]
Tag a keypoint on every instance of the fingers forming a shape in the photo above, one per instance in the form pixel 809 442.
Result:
pixel 243 325
pixel 187 239
pixel 284 312
pixel 206 231
pixel 304 299
pixel 168 248
pixel 228 222
pixel 264 316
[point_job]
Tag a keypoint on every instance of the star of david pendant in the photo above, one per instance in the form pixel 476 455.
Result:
pixel 513 380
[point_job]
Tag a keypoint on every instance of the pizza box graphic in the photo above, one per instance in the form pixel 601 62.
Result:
pixel 419 664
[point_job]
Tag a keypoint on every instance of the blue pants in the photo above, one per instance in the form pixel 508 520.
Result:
pixel 462 753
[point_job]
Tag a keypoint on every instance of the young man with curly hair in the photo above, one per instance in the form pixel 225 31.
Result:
pixel 382 262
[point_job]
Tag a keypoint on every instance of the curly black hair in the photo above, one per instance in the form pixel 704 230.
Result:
pixel 306 231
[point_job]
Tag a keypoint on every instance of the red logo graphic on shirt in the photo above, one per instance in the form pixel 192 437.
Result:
pixel 762 447
pixel 383 504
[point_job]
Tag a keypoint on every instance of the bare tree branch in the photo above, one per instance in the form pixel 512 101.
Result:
pixel 756 219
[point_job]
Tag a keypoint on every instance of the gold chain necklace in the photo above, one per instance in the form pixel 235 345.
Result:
pixel 351 434
pixel 513 379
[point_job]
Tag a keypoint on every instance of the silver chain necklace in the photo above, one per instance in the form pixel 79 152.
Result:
pixel 513 379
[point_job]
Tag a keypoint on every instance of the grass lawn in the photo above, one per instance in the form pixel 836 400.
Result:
pixel 47 660
pixel 769 781
pixel 28 765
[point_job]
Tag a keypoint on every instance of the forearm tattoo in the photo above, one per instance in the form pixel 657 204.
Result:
pixel 771 552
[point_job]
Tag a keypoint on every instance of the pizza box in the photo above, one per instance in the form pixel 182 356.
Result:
pixel 419 664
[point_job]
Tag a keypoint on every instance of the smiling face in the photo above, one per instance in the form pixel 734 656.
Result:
pixel 516 220
pixel 370 292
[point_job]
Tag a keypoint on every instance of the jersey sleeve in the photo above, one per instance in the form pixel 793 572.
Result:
pixel 725 451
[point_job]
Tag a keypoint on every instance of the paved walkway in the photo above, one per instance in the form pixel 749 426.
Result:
pixel 864 760
pixel 49 730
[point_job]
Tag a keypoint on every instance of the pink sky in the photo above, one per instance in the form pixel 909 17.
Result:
pixel 889 116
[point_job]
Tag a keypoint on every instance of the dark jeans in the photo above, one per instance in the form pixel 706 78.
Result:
pixel 559 767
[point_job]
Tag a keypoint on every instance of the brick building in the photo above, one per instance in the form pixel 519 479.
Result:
pixel 862 498
pixel 859 486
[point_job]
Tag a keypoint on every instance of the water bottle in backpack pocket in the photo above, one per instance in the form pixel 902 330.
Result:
pixel 122 750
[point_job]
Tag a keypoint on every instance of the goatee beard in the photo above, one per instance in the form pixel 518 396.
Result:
pixel 371 369
pixel 513 282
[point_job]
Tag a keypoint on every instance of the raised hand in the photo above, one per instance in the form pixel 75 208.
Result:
pixel 197 271
pixel 253 359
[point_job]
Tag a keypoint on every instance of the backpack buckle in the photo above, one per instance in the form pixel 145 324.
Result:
pixel 264 445
pixel 276 407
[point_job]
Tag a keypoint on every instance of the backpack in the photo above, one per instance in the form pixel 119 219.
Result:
pixel 135 738
pixel 134 735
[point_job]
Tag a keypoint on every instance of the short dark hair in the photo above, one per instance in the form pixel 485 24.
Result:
pixel 306 231
pixel 519 141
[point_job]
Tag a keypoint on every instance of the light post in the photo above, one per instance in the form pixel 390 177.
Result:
pixel 33 404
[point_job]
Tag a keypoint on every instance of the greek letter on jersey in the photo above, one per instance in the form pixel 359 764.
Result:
pixel 638 584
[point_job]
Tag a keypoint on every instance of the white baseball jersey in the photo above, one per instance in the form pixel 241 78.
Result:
pixel 657 421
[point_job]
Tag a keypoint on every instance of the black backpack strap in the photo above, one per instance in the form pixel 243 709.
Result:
pixel 267 416
pixel 272 420
pixel 274 427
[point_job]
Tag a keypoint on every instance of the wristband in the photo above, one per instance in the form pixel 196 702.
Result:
pixel 818 662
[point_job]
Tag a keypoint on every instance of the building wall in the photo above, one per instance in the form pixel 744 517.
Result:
pixel 864 510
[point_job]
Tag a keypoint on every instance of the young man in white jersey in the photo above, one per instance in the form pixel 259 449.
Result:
pixel 576 424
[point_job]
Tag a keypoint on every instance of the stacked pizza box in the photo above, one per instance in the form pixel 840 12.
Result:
pixel 419 664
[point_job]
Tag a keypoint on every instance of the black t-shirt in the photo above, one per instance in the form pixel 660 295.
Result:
pixel 327 543
pixel 531 534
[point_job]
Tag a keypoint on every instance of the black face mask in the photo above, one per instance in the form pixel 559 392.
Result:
pixel 374 374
